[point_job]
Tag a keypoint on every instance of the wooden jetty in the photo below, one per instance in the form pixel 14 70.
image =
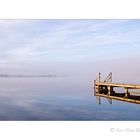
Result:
pixel 107 89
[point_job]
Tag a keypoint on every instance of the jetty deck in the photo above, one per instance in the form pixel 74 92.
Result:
pixel 107 89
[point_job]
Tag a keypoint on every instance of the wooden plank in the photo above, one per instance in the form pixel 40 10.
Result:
pixel 134 92
pixel 131 86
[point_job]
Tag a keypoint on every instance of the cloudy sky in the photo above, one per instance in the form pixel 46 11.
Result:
pixel 69 46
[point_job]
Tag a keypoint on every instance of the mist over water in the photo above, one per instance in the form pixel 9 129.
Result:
pixel 61 98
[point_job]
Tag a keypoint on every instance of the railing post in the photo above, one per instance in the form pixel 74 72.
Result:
pixel 109 90
pixel 99 76
pixel 110 77
pixel 126 92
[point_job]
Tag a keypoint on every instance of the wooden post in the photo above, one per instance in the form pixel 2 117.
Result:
pixel 126 92
pixel 108 90
pixel 94 87
pixel 99 76
pixel 110 77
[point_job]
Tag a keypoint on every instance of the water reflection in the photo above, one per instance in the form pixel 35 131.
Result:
pixel 58 99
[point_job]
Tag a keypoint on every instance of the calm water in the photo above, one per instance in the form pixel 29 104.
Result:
pixel 59 98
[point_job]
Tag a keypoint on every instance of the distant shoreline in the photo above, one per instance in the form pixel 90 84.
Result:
pixel 26 76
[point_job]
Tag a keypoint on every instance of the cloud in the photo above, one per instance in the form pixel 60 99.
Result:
pixel 36 41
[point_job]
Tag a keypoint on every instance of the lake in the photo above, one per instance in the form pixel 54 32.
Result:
pixel 59 98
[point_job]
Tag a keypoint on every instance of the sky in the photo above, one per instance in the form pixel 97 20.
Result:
pixel 70 47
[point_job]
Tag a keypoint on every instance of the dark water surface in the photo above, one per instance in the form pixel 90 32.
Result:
pixel 58 98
